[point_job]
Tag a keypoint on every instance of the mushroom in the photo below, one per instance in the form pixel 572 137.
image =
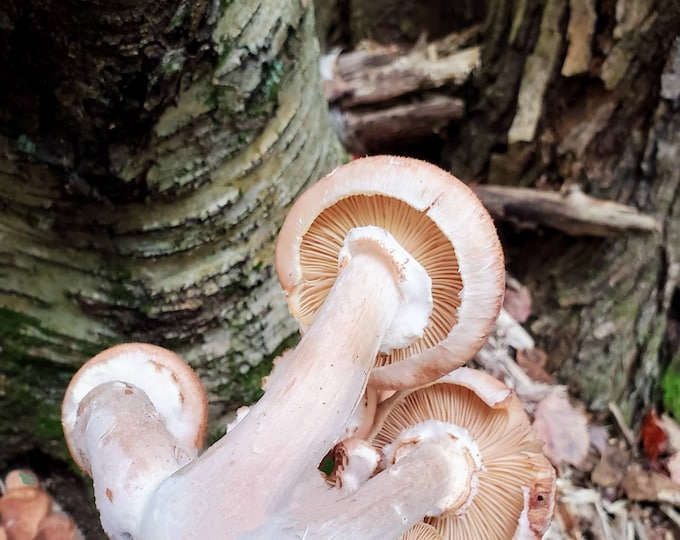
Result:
pixel 28 512
pixel 58 526
pixel 132 416
pixel 440 224
pixel 410 277
pixel 512 484
pixel 23 505
pixel 390 277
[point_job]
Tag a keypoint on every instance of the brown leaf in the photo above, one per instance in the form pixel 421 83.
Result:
pixel 641 485
pixel 653 438
pixel 533 361
pixel 612 467
pixel 564 429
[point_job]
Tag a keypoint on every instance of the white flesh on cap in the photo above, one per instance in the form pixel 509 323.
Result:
pixel 170 384
pixel 132 415
pixel 415 286
pixel 305 409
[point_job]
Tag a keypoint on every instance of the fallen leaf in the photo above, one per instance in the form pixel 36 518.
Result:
pixel 599 438
pixel 533 362
pixel 642 485
pixel 653 438
pixel 517 300
pixel 564 429
pixel 612 467
pixel 673 465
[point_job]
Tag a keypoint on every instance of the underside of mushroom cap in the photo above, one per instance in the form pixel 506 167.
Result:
pixel 422 531
pixel 437 219
pixel 516 483
pixel 171 385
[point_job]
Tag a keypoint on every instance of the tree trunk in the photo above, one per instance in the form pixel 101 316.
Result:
pixel 586 94
pixel 148 154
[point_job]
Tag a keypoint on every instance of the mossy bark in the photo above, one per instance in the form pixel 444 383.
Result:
pixel 585 92
pixel 148 154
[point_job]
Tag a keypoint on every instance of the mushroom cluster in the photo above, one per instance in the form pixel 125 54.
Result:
pixel 395 273
pixel 28 512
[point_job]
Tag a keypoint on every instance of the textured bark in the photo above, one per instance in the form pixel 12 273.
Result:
pixel 572 94
pixel 148 154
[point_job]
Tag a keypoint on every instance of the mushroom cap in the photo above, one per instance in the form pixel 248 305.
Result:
pixel 432 215
pixel 23 506
pixel 171 385
pixel 515 486
pixel 58 526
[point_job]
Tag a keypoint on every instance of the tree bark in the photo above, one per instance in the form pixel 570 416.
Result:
pixel 148 154
pixel 585 94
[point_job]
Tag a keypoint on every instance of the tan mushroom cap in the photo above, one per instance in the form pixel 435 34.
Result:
pixel 58 526
pixel 168 381
pixel 23 506
pixel 437 219
pixel 516 484
pixel 422 531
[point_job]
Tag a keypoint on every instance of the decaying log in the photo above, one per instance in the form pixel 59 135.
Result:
pixel 383 93
pixel 572 212
pixel 360 131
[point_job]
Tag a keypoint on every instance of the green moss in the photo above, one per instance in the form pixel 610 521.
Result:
pixel 32 385
pixel 670 385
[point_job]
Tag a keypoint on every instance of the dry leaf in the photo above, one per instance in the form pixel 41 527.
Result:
pixel 641 485
pixel 533 362
pixel 517 300
pixel 612 467
pixel 564 429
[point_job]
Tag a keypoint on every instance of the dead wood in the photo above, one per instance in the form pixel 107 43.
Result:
pixel 572 212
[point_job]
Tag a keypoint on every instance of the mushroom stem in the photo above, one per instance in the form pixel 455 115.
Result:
pixel 115 417
pixel 422 483
pixel 306 406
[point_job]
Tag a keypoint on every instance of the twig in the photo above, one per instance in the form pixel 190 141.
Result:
pixel 625 430
pixel 573 212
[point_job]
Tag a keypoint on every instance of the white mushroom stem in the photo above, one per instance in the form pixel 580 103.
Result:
pixel 114 420
pixel 249 474
pixel 426 481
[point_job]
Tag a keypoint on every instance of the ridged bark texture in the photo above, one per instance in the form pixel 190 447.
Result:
pixel 148 154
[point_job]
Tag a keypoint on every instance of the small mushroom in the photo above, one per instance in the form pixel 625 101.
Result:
pixel 132 416
pixel 58 526
pixel 23 505
pixel 355 461
pixel 512 487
